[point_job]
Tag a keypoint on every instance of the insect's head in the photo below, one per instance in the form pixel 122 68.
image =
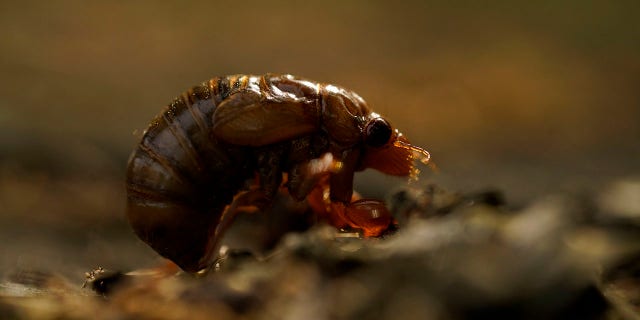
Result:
pixel 387 150
pixel 349 122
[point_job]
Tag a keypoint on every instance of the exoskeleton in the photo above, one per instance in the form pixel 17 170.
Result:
pixel 229 141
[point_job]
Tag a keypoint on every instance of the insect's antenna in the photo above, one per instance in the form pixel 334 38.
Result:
pixel 417 153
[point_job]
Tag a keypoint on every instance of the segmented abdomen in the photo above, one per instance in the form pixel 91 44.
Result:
pixel 180 177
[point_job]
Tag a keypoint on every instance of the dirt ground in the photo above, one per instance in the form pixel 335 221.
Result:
pixel 535 100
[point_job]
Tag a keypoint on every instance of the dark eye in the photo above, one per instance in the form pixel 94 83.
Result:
pixel 377 132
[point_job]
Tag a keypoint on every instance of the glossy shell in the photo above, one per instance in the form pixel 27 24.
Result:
pixel 208 145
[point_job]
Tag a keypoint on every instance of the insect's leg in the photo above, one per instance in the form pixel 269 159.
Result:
pixel 269 160
pixel 341 182
pixel 311 180
pixel 304 177
pixel 322 207
pixel 327 185
pixel 242 199
pixel 372 216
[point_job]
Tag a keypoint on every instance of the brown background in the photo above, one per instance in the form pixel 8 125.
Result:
pixel 531 98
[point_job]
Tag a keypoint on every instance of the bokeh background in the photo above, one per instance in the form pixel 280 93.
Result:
pixel 530 98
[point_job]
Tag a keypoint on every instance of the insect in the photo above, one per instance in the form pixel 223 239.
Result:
pixel 236 140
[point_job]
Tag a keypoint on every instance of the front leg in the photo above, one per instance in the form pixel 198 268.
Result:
pixel 370 216
pixel 341 182
pixel 340 208
pixel 304 177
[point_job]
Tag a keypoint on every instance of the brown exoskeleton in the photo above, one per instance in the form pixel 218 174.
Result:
pixel 189 173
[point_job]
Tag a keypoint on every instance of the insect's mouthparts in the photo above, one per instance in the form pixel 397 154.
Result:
pixel 417 153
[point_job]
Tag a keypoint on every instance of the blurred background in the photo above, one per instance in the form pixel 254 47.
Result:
pixel 530 98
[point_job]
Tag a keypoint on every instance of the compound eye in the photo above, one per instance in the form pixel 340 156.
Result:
pixel 377 133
